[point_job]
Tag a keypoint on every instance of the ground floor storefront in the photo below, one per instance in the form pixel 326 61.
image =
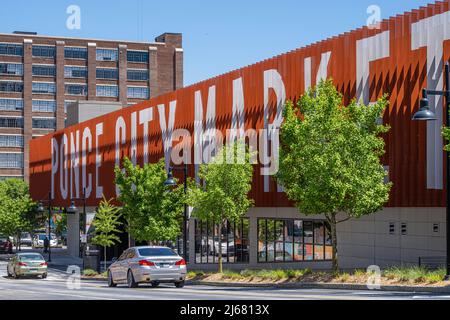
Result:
pixel 281 238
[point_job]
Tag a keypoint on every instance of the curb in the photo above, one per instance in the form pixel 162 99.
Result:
pixel 336 286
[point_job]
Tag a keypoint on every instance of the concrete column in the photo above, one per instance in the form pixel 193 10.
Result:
pixel 92 71
pixel 123 66
pixel 73 234
pixel 178 69
pixel 253 241
pixel 60 86
pixel 27 101
pixel 153 71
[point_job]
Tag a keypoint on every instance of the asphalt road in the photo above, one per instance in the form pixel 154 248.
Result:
pixel 55 288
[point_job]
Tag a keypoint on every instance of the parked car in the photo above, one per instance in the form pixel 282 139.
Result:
pixel 26 239
pixel 152 265
pixel 27 264
pixel 39 241
pixel 6 246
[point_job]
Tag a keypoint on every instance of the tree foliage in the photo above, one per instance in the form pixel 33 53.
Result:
pixel 227 183
pixel 17 209
pixel 153 213
pixel 106 223
pixel 330 156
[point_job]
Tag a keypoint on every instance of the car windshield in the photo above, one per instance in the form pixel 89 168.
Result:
pixel 152 252
pixel 25 235
pixel 31 257
pixel 43 236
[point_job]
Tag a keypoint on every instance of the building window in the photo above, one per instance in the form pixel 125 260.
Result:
pixel 75 72
pixel 11 104
pixel 44 70
pixel 138 92
pixel 288 240
pixel 75 53
pixel 44 106
pixel 11 122
pixel 10 49
pixel 107 91
pixel 137 56
pixel 76 89
pixel 44 88
pixel 103 73
pixel 3 178
pixel 137 75
pixel 11 86
pixel 44 51
pixel 44 123
pixel 11 141
pixel 235 243
pixel 107 55
pixel 11 160
pixel 11 69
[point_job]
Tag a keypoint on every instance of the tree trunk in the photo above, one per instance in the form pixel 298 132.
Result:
pixel 220 248
pixel 333 225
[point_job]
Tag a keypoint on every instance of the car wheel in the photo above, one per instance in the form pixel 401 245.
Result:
pixel 111 283
pixel 44 276
pixel 16 276
pixel 155 284
pixel 130 280
pixel 179 284
pixel 9 274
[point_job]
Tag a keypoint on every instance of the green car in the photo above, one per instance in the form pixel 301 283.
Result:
pixel 27 264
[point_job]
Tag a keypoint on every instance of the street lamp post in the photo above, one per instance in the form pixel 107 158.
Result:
pixel 73 209
pixel 425 114
pixel 170 182
pixel 41 209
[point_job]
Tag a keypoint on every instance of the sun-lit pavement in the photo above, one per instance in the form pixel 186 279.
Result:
pixel 60 286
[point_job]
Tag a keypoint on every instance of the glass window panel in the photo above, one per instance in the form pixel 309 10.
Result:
pixel 11 69
pixel 44 123
pixel 138 75
pixel 138 92
pixel 328 242
pixel 11 104
pixel 103 73
pixel 107 91
pixel 279 240
pixel 44 51
pixel 107 55
pixel 308 238
pixel 11 122
pixel 137 56
pixel 270 240
pixel 44 71
pixel 43 88
pixel 11 160
pixel 11 141
pixel 75 72
pixel 262 245
pixel 319 238
pixel 44 106
pixel 11 86
pixel 298 240
pixel 289 240
pixel 76 89
pixel 11 49
pixel 75 53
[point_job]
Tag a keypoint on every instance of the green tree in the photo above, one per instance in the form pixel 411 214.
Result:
pixel 227 183
pixel 153 214
pixel 330 157
pixel 106 224
pixel 17 209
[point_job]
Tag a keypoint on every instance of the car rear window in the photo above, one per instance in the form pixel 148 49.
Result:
pixel 31 257
pixel 151 252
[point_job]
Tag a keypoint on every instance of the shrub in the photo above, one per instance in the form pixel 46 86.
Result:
pixel 90 273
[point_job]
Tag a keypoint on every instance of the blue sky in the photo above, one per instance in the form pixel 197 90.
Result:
pixel 218 36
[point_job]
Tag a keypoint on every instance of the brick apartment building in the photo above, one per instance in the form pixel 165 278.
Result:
pixel 41 76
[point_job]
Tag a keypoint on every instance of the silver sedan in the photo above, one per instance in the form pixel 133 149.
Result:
pixel 27 264
pixel 152 265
